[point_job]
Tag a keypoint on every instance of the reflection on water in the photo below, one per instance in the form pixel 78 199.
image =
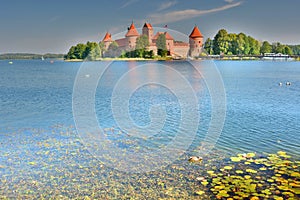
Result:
pixel 40 157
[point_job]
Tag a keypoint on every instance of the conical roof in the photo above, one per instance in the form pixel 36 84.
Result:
pixel 148 25
pixel 132 31
pixel 168 36
pixel 196 33
pixel 107 37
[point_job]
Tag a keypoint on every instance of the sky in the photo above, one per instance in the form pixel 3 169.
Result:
pixel 33 26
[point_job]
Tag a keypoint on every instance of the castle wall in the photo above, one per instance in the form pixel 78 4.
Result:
pixel 131 42
pixel 181 51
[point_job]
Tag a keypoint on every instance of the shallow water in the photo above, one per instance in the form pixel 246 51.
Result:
pixel 41 148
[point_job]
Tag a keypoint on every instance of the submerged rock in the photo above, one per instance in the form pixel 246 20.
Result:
pixel 195 159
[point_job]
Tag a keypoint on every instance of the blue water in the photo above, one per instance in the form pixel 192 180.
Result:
pixel 261 115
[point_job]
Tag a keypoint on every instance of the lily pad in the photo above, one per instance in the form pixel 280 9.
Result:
pixel 235 159
pixel 228 167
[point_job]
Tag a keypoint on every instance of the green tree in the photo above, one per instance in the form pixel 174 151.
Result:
pixel 142 43
pixel 295 49
pixel 280 48
pixel 288 50
pixel 161 45
pixel 233 44
pixel 266 48
pixel 113 50
pixel 71 54
pixel 92 51
pixel 208 46
pixel 79 51
pixel 241 43
pixel 221 42
pixel 102 48
pixel 254 46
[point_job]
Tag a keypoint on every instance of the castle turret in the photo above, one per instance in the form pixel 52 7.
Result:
pixel 196 42
pixel 131 37
pixel 107 40
pixel 148 30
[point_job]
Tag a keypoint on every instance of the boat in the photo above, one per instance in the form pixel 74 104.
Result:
pixel 278 56
pixel 42 58
pixel 10 62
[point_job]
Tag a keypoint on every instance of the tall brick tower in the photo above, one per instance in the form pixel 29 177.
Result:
pixel 196 42
pixel 107 40
pixel 148 30
pixel 131 37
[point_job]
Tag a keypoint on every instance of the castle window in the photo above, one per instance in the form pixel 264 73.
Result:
pixel 199 42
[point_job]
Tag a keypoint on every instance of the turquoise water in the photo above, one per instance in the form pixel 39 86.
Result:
pixel 37 130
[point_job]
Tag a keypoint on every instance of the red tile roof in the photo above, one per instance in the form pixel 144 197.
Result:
pixel 148 25
pixel 168 35
pixel 196 33
pixel 107 38
pixel 132 31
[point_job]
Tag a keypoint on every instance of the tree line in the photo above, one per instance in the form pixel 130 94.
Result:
pixel 225 43
pixel 10 56
pixel 94 50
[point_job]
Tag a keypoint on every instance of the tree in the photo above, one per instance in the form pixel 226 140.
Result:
pixel 70 54
pixel 208 46
pixel 280 48
pixel 102 48
pixel 113 50
pixel 221 43
pixel 254 46
pixel 233 44
pixel 79 51
pixel 241 43
pixel 76 52
pixel 288 50
pixel 295 49
pixel 92 51
pixel 142 43
pixel 161 45
pixel 266 48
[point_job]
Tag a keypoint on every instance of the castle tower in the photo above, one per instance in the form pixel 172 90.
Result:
pixel 107 40
pixel 196 42
pixel 131 37
pixel 148 30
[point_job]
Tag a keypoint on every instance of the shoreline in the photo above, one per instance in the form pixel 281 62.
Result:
pixel 187 59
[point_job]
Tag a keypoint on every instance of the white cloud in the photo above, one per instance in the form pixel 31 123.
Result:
pixel 129 3
pixel 175 16
pixel 166 5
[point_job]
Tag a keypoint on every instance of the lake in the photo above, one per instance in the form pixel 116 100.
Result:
pixel 148 111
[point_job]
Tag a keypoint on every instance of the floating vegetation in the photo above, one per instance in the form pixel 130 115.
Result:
pixel 54 164
pixel 271 177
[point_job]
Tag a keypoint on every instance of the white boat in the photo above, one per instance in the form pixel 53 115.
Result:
pixel 278 56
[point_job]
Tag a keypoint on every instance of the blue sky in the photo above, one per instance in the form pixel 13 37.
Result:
pixel 53 26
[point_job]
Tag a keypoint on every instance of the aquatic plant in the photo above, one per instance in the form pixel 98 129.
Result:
pixel 274 176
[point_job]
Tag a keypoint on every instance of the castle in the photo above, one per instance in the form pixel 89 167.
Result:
pixel 174 48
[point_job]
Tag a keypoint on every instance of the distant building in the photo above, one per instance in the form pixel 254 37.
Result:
pixel 175 48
